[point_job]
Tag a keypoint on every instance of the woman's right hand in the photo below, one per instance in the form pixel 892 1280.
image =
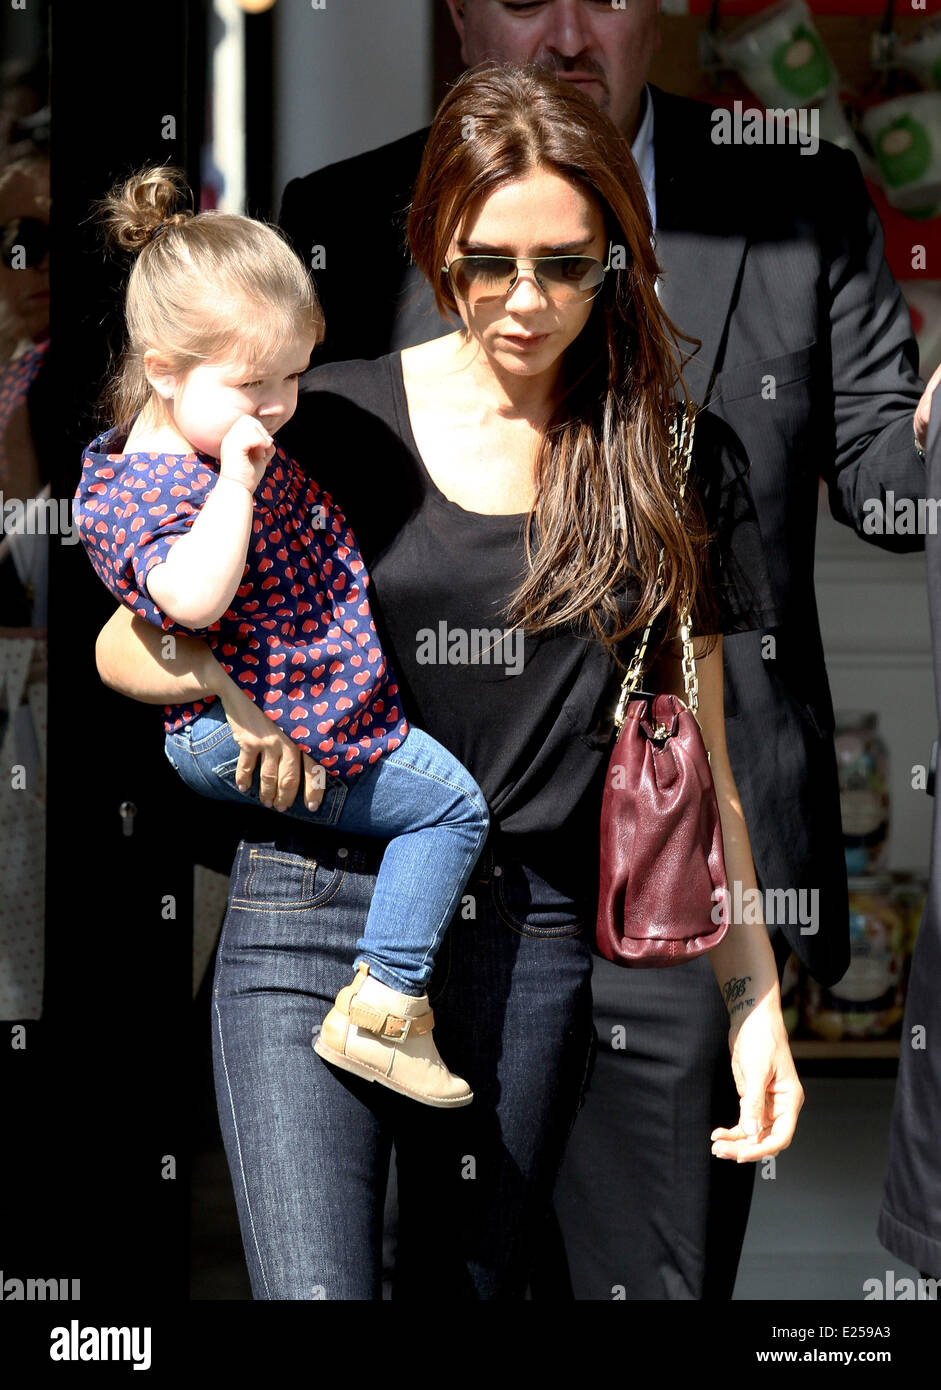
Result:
pixel 131 659
pixel 283 764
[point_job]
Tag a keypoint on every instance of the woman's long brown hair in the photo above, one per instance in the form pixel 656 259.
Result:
pixel 604 491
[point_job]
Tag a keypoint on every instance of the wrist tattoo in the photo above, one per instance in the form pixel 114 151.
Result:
pixel 734 989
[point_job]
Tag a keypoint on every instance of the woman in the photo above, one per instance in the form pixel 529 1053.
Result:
pixel 510 488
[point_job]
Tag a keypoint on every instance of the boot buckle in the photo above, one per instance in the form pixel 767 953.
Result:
pixel 392 1027
pixel 404 1026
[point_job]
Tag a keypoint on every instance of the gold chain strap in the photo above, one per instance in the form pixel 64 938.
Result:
pixel 681 448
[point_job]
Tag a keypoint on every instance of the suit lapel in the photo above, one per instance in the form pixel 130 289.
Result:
pixel 698 247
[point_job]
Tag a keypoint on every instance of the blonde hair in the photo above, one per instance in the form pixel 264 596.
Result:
pixel 189 286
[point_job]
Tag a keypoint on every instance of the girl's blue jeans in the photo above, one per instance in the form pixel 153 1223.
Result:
pixel 418 797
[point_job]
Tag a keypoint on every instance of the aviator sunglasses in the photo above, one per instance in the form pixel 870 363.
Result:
pixel 563 279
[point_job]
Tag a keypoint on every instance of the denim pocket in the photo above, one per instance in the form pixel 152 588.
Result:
pixel 265 876
pixel 207 731
pixel 184 748
pixel 530 905
pixel 181 755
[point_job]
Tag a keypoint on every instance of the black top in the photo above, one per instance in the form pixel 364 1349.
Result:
pixel 531 718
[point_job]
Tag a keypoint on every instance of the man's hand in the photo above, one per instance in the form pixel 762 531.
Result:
pixel 923 412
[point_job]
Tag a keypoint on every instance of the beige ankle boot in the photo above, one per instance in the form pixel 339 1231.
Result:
pixel 386 1037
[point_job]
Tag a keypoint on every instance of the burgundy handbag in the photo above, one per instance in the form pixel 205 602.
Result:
pixel 663 892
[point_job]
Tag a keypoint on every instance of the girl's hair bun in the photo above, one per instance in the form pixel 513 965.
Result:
pixel 148 201
pixel 208 284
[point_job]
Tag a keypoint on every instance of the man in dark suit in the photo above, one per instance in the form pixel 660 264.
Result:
pixel 910 1217
pixel 774 259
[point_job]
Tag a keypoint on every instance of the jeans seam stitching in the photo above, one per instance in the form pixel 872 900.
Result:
pixel 433 950
pixel 248 1203
pixel 452 786
pixel 250 904
pixel 289 904
pixel 275 858
pixel 520 930
pixel 276 905
pixel 520 927
pixel 208 741
pixel 335 888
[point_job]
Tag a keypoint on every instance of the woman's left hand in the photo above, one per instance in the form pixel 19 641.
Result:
pixel 770 1091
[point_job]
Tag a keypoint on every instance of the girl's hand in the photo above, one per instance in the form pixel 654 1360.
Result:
pixel 767 1082
pixel 282 762
pixel 245 452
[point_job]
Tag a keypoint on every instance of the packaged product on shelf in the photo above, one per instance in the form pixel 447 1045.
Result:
pixel 868 1001
pixel 909 891
pixel 863 762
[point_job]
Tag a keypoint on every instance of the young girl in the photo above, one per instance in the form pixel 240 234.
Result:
pixel 198 521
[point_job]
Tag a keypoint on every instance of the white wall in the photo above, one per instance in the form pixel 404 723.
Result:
pixel 351 76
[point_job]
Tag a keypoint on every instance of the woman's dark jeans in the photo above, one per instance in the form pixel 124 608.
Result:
pixel 309 1145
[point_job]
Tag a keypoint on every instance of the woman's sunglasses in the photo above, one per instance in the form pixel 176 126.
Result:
pixel 563 279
